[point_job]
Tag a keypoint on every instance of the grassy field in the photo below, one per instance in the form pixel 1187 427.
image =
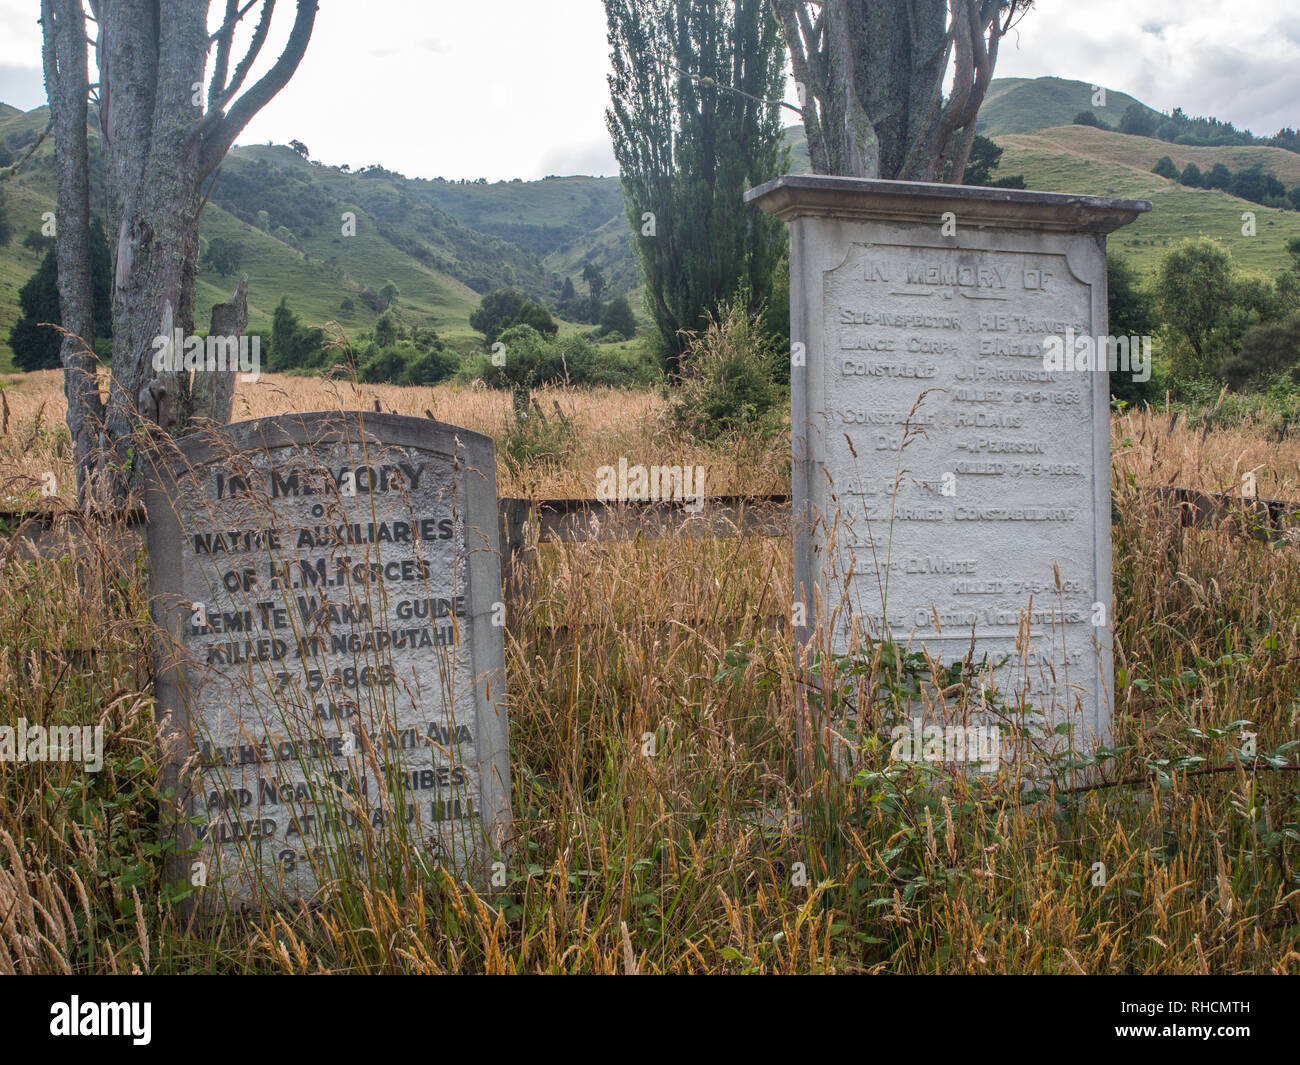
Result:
pixel 532 234
pixel 1049 162
pixel 1143 152
pixel 1022 105
pixel 689 861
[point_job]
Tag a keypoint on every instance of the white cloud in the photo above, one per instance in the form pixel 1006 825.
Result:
pixel 516 88
pixel 1237 61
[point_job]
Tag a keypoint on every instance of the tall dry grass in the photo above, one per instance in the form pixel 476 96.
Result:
pixel 663 822
pixel 592 428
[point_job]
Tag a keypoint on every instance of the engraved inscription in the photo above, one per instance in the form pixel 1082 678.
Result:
pixel 946 437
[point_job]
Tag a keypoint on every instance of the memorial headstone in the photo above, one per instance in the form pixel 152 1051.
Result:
pixel 951 443
pixel 329 653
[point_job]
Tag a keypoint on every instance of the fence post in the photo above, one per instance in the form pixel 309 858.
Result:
pixel 515 515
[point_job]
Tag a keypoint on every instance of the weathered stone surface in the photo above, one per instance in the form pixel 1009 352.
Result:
pixel 330 648
pixel 943 477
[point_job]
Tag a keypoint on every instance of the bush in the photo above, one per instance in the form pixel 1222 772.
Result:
pixel 538 317
pixel 1197 293
pixel 776 319
pixel 618 318
pixel 503 308
pixel 528 360
pixel 1165 168
pixel 533 361
pixel 1138 121
pixel 36 345
pixel 727 384
pixel 386 330
pixel 223 256
pixel 495 313
pixel 385 365
pixel 1267 351
pixel 293 346
pixel 1130 310
pixel 432 367
pixel 1218 177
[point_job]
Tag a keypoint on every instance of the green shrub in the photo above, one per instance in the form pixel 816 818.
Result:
pixel 529 360
pixel 431 367
pixel 618 318
pixel 1268 351
pixel 727 384
pixel 1166 168
pixel 386 365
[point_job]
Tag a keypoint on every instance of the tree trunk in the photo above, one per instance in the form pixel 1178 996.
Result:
pixel 161 141
pixel 214 398
pixel 64 56
pixel 149 65
pixel 872 73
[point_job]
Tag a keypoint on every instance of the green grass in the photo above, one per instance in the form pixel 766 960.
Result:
pixel 1023 105
pixel 1143 152
pixel 532 234
pixel 610 247
pixel 326 267
pixel 1177 212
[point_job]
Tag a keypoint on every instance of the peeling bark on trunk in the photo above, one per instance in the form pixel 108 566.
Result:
pixel 153 163
pixel 214 398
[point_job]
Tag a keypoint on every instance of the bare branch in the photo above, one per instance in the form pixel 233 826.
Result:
pixel 233 18
pixel 978 35
pixel 801 40
pixel 217 104
pixel 10 171
pixel 218 140
pixel 223 37
pixel 699 80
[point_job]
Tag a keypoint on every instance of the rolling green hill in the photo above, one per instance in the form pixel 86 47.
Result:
pixel 1102 163
pixel 287 215
pixel 1023 105
pixel 1030 119
pixel 1144 151
pixel 1082 159
pixel 443 243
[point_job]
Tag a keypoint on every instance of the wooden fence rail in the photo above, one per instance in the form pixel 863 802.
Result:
pixel 576 520
pixel 526 523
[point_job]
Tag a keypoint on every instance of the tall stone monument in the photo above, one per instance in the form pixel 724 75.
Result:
pixel 951 481
pixel 329 652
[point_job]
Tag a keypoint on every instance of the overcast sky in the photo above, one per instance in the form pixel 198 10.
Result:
pixel 516 88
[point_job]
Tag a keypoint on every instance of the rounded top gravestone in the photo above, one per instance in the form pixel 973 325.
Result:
pixel 330 652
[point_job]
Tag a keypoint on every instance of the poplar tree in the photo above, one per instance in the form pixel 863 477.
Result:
pixel 695 119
